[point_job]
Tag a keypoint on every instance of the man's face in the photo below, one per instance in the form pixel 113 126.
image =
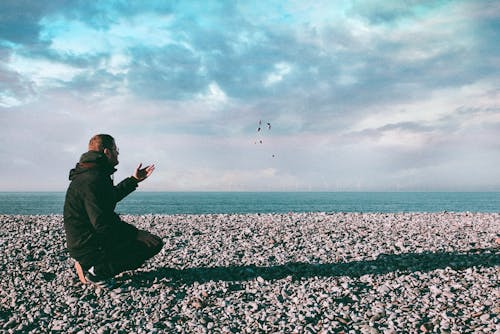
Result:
pixel 112 155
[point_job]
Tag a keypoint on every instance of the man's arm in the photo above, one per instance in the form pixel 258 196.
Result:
pixel 129 184
pixel 124 188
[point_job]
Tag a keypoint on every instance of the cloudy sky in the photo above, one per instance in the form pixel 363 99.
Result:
pixel 361 95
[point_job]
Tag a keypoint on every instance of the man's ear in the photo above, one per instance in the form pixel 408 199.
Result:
pixel 107 152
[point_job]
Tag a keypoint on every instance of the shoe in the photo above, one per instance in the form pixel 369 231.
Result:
pixel 105 284
pixel 92 278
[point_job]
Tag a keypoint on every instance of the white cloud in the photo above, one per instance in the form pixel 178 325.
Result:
pixel 43 72
pixel 406 139
pixel 7 100
pixel 79 38
pixel 441 103
pixel 214 97
pixel 280 71
pixel 118 63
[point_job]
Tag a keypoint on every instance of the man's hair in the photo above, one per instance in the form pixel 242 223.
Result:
pixel 100 142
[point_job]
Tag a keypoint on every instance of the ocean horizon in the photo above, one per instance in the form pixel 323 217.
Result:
pixel 143 202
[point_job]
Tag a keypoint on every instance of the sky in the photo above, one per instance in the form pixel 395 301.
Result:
pixel 361 95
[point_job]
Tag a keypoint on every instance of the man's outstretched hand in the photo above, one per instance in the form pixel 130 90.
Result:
pixel 149 239
pixel 141 174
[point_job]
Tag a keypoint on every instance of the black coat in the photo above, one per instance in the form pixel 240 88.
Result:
pixel 90 221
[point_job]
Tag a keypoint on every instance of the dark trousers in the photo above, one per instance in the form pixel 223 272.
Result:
pixel 119 258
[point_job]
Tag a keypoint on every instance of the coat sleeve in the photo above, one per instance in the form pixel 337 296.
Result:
pixel 99 204
pixel 124 188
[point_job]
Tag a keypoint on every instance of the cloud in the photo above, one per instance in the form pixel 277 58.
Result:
pixel 19 21
pixel 14 88
pixel 171 72
pixel 361 95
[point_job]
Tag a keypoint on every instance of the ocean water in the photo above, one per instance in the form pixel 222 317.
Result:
pixel 32 203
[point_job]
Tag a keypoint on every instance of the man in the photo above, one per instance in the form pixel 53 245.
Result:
pixel 101 243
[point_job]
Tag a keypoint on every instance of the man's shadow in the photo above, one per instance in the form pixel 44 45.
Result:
pixel 383 264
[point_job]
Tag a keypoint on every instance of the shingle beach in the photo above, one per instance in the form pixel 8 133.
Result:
pixel 265 273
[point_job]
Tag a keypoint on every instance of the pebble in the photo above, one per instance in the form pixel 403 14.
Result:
pixel 9 324
pixel 297 272
pixel 369 330
pixel 484 317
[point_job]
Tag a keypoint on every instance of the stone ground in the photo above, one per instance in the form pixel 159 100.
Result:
pixel 264 273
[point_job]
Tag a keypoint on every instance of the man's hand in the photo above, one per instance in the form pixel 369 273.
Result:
pixel 149 239
pixel 141 174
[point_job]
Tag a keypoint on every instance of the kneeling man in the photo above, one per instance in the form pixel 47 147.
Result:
pixel 101 243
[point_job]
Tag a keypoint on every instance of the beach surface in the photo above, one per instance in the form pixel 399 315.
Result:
pixel 265 273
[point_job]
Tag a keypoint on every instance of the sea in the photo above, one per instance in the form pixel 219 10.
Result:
pixel 169 203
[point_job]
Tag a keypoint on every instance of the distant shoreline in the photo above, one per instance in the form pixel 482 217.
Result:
pixel 142 202
pixel 271 191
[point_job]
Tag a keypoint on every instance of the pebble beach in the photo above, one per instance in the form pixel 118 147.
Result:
pixel 265 273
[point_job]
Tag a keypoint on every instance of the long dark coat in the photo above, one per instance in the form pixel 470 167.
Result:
pixel 90 221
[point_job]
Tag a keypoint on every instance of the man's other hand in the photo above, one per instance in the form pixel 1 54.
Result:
pixel 140 174
pixel 149 239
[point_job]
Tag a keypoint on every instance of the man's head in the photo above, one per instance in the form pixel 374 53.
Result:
pixel 105 144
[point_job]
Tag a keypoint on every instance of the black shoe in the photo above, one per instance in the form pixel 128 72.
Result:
pixel 103 283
